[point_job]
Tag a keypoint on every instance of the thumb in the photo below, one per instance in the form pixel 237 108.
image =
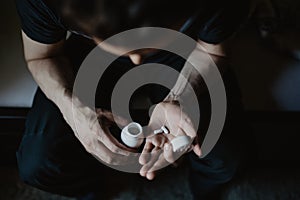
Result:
pixel 197 150
pixel 168 153
pixel 196 146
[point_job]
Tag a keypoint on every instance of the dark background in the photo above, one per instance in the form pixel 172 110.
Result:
pixel 270 82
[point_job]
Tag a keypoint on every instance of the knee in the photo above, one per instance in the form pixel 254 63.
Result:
pixel 42 163
pixel 217 169
pixel 31 162
pixel 37 171
pixel 222 170
pixel 29 173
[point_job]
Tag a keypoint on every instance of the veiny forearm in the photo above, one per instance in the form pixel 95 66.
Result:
pixel 193 75
pixel 55 78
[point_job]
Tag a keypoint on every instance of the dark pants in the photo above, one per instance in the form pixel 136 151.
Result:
pixel 52 159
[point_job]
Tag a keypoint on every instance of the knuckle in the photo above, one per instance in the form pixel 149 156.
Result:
pixel 149 140
pixel 88 145
pixel 88 148
pixel 156 167
pixel 100 136
pixel 109 160
pixel 170 159
pixel 112 160
pixel 114 149
pixel 187 120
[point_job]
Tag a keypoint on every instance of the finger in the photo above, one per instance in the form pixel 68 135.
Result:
pixel 191 148
pixel 196 146
pixel 150 175
pixel 145 155
pixel 197 150
pixel 187 125
pixel 112 143
pixel 158 140
pixel 154 155
pixel 103 154
pixel 117 143
pixel 155 124
pixel 170 136
pixel 168 153
pixel 159 164
pixel 171 156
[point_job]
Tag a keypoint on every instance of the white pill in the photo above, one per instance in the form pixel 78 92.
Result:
pixel 158 131
pixel 180 143
pixel 165 130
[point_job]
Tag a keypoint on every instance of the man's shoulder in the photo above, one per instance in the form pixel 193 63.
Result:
pixel 41 6
pixel 40 21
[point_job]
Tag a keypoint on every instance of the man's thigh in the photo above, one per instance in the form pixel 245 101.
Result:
pixel 231 152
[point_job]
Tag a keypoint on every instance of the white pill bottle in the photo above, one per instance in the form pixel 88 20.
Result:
pixel 132 135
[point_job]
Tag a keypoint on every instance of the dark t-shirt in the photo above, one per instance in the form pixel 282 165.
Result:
pixel 214 24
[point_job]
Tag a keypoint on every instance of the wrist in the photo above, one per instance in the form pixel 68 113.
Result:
pixel 70 106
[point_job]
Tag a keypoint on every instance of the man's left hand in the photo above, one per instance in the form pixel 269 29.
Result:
pixel 158 151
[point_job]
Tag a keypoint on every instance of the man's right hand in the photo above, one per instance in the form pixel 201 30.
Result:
pixel 91 129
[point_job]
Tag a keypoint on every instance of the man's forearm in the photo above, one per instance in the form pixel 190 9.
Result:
pixel 55 78
pixel 192 75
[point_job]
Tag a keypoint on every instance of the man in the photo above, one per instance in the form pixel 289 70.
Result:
pixel 58 157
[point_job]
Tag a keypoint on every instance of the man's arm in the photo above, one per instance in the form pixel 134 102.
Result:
pixel 219 53
pixel 50 69
pixel 53 73
pixel 168 111
pixel 205 55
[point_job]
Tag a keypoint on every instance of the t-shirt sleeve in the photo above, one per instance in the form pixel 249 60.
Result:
pixel 224 22
pixel 39 22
